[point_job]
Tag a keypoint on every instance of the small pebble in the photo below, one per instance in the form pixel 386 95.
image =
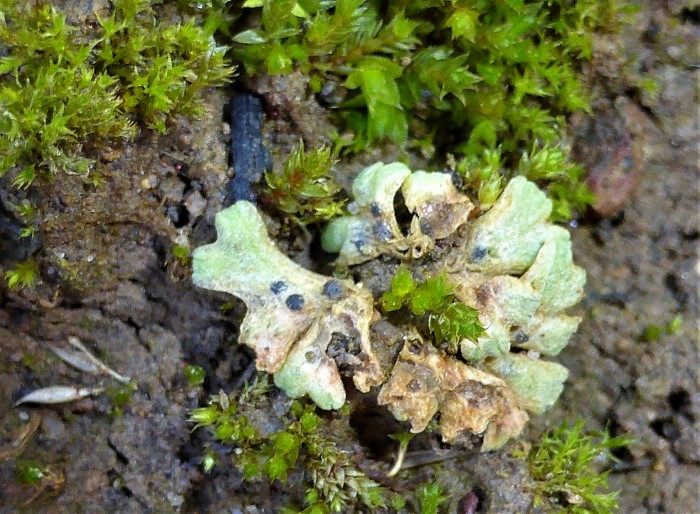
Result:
pixel 675 52
pixel 52 426
pixel 149 182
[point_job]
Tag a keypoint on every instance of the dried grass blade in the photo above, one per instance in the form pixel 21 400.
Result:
pixel 59 394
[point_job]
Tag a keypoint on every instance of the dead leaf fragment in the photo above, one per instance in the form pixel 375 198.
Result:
pixel 59 394
pixel 424 382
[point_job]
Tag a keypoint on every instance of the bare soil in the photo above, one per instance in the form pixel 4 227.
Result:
pixel 109 278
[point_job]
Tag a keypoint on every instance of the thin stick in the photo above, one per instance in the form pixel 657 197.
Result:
pixel 75 343
pixel 399 460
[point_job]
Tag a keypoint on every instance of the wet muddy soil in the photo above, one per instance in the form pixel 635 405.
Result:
pixel 111 279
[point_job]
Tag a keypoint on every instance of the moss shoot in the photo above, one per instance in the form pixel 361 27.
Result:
pixel 460 77
pixel 567 479
pixel 64 92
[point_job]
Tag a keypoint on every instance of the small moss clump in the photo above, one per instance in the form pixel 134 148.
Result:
pixel 431 496
pixel 162 68
pixel 30 472
pixel 194 375
pixel 23 274
pixel 304 190
pixel 486 173
pixel 566 478
pixel 655 332
pixel 333 480
pixel 449 321
pixel 461 77
pixel 63 92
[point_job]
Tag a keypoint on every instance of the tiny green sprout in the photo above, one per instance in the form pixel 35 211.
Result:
pixel 224 421
pixel 430 497
pixel 122 394
pixel 255 390
pixel 483 174
pixel 29 472
pixel 458 321
pixel 563 466
pixel 544 162
pixel 304 189
pixel 182 254
pixel 432 295
pixel 26 210
pixel 564 178
pixel 276 468
pixel 402 285
pixel 309 422
pixel 24 274
pixel 675 324
pixel 204 416
pixel 311 496
pixel 120 397
pixel 31 361
pixel 194 374
pixel 208 461
pixel 398 502
pixel 226 307
pixel 654 332
pixel 226 431
pixel 27 232
pixel 285 446
pixel 650 87
pixel 404 439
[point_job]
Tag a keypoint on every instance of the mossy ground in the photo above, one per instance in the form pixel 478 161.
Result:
pixel 147 324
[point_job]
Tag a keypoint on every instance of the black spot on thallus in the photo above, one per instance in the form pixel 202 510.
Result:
pixel 332 289
pixel 278 286
pixel 295 302
pixel 479 253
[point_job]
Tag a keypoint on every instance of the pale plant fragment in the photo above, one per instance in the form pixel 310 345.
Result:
pixel 59 394
pixel 76 359
pixel 86 361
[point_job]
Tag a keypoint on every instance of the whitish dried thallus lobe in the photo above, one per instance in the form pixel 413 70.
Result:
pixel 292 312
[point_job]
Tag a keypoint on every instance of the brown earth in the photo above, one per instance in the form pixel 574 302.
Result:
pixel 109 278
